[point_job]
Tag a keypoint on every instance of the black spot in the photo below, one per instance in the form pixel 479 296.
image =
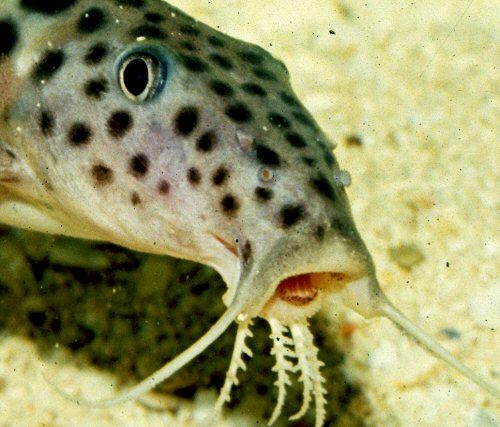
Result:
pixel 252 57
pixel 278 120
pixel 135 199
pixel 47 123
pixel 102 175
pixel 79 134
pixel 328 158
pixel 194 176
pixel 194 64
pixel 154 17
pixel 92 20
pixel 186 120
pixel 206 142
pixel 246 251
pixel 139 165
pixel 189 46
pixel 96 54
pixel 96 88
pixel 216 41
pixel 267 156
pixel 322 185
pixel 221 88
pixel 190 30
pixel 263 194
pixel 264 74
pixel 239 113
pixel 49 7
pixel 327 152
pixel 119 123
pixel 254 89
pixel 163 187
pixel 130 3
pixel 296 140
pixel 291 215
pixel 221 61
pixel 149 32
pixel 9 37
pixel 304 119
pixel 283 67
pixel 309 161
pixel 220 176
pixel 48 65
pixel 229 204
pixel 289 99
pixel 343 225
pixel 321 144
pixel 319 233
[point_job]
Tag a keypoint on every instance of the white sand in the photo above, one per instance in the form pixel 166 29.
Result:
pixel 419 83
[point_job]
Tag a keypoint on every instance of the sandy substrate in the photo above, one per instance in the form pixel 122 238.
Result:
pixel 418 86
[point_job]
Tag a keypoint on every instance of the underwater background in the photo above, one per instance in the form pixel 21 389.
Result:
pixel 410 93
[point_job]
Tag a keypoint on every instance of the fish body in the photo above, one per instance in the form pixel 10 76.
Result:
pixel 218 161
pixel 131 122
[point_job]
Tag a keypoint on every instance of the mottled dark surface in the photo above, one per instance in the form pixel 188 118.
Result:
pixel 127 313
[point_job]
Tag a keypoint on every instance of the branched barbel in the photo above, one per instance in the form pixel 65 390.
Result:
pixel 128 121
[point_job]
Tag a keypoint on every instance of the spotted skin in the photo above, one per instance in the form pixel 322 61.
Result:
pixel 95 138
pixel 131 122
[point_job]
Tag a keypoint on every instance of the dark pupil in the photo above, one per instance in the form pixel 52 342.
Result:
pixel 135 76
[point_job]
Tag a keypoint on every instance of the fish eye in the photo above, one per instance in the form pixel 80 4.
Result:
pixel 140 76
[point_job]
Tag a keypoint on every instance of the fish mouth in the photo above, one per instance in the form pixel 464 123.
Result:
pixel 300 296
pixel 291 279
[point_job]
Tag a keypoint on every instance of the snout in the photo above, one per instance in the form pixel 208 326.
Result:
pixel 298 274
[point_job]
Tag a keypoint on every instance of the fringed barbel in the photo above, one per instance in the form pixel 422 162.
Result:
pixel 237 362
pixel 310 372
pixel 298 347
pixel 282 351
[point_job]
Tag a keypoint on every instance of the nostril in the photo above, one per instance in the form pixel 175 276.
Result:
pixel 319 233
